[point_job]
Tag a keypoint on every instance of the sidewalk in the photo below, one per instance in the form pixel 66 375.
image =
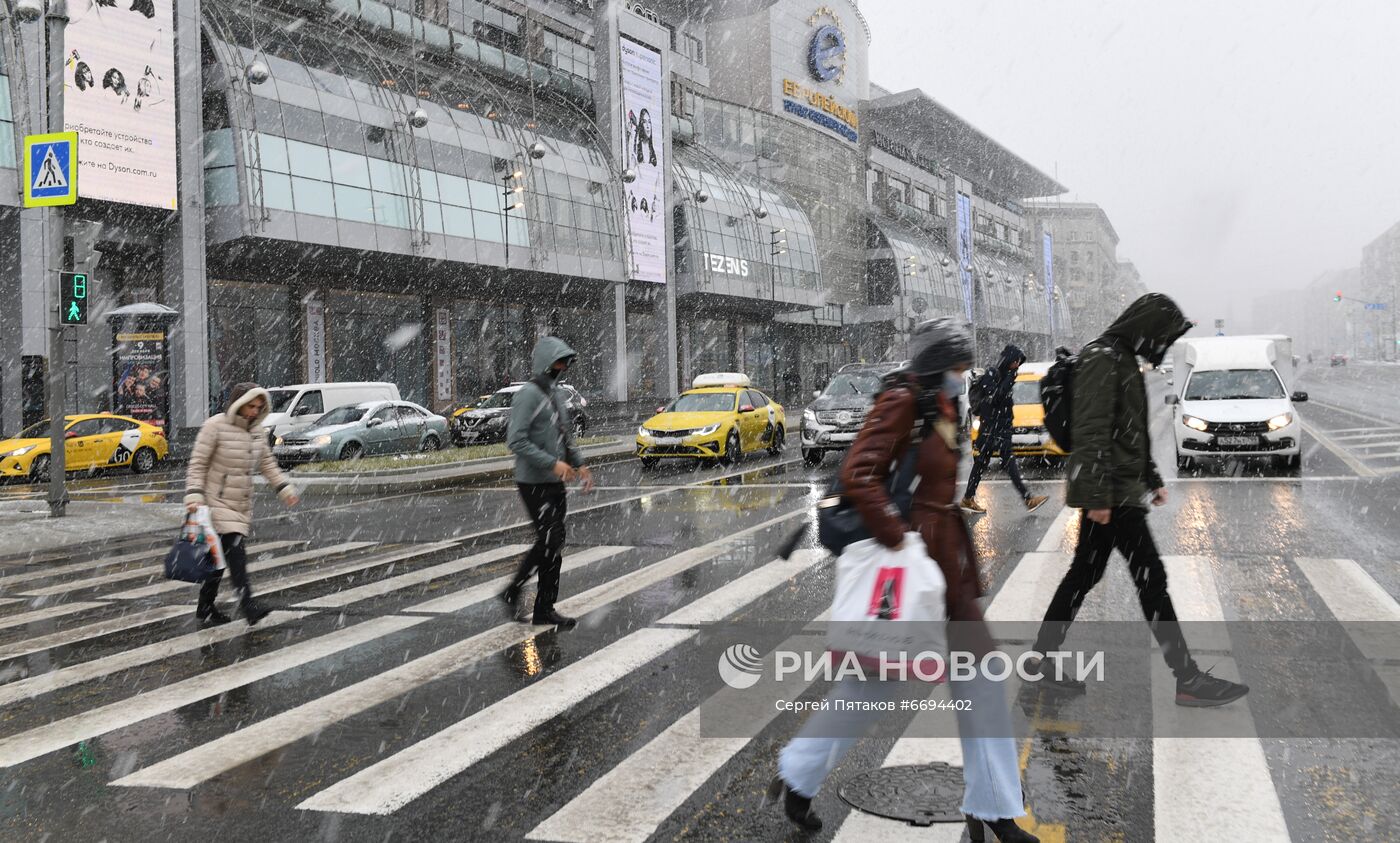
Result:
pixel 418 478
pixel 27 528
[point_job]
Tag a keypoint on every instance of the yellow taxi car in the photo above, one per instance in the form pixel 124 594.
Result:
pixel 721 418
pixel 1028 435
pixel 91 441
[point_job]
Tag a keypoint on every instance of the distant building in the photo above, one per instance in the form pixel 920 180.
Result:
pixel 1130 280
pixel 1086 263
pixel 1380 277
pixel 1323 326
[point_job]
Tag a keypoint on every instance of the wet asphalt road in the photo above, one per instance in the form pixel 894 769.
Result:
pixel 392 699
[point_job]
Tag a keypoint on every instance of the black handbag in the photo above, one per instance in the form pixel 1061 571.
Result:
pixel 191 559
pixel 839 523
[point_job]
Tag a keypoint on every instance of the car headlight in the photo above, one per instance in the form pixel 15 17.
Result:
pixel 496 421
pixel 321 440
pixel 18 452
pixel 643 432
pixel 809 416
pixel 706 431
pixel 279 441
pixel 1194 423
pixel 1280 420
pixel 976 424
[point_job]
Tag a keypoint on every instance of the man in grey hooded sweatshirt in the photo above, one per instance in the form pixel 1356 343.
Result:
pixel 546 458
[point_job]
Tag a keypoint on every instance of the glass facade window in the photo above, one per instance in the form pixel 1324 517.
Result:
pixel 251 337
pixel 7 125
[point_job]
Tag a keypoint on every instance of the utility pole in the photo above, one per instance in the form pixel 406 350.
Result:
pixel 55 21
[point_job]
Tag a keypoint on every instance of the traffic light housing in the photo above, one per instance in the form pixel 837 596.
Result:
pixel 1337 296
pixel 73 298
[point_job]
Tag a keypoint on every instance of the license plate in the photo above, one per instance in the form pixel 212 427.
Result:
pixel 667 440
pixel 1027 439
pixel 1238 441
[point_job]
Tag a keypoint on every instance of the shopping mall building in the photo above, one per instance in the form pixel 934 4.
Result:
pixel 415 190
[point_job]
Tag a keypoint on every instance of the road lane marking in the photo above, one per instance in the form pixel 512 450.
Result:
pixel 7 580
pixel 46 614
pixel 208 760
pixel 628 803
pixel 728 599
pixel 352 566
pixel 280 562
pixel 153 573
pixel 481 592
pixel 1054 537
pixel 1365 609
pixel 388 785
pixel 1369 418
pixel 87 671
pixel 388 585
pixel 1215 788
pixel 1341 453
pixel 82 633
pixel 92 723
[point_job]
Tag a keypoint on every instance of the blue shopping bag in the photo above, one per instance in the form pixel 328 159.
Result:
pixel 196 555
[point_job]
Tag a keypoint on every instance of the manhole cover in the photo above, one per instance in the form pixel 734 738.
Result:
pixel 920 794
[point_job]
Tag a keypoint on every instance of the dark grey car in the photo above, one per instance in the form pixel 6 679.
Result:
pixel 831 422
pixel 486 423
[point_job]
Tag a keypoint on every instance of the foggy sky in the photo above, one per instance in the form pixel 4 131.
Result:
pixel 1240 146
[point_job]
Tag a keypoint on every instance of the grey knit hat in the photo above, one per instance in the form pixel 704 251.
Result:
pixel 938 345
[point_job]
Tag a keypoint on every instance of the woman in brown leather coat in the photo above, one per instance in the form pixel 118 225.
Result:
pixel 917 405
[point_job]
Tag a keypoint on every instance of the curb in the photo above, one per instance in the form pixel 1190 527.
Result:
pixel 421 479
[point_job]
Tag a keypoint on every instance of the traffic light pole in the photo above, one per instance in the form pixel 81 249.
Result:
pixel 55 21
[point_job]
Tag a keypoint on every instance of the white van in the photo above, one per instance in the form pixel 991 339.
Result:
pixel 1231 398
pixel 296 407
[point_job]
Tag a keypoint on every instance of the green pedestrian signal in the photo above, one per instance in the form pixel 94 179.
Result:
pixel 73 298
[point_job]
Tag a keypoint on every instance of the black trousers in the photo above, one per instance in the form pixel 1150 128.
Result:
pixel 987 447
pixel 547 504
pixel 1128 532
pixel 236 559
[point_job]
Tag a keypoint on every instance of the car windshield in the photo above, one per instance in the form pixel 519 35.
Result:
pixel 497 401
pixel 853 383
pixel 343 415
pixel 37 430
pixel 280 399
pixel 1025 392
pixel 1234 384
pixel 703 402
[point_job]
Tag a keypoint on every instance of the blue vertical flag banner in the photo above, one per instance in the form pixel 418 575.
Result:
pixel 964 210
pixel 1048 255
pixel 50 169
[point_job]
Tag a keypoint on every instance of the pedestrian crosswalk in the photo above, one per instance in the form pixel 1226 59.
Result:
pixel 361 628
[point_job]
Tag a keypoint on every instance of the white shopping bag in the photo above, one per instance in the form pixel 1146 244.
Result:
pixel 201 519
pixel 890 605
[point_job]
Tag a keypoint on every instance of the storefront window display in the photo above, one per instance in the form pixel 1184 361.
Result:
pixel 376 337
pixel 251 337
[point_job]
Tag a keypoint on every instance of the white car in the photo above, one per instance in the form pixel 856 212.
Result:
pixel 1232 401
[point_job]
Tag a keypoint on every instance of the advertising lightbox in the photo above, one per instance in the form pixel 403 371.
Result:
pixel 643 149
pixel 119 96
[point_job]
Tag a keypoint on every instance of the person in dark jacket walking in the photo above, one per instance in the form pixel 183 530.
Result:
pixel 921 398
pixel 994 431
pixel 546 458
pixel 1111 474
pixel 230 448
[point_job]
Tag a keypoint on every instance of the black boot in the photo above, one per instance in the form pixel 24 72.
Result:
pixel 797 807
pixel 553 618
pixel 253 611
pixel 1006 831
pixel 1051 678
pixel 211 616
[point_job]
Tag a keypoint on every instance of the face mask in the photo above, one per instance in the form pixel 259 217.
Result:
pixel 556 374
pixel 952 384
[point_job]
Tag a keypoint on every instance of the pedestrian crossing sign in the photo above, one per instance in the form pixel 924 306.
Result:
pixel 50 169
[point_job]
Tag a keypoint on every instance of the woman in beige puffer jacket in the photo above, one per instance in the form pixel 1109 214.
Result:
pixel 229 449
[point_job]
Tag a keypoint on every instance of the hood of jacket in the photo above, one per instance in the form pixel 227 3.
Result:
pixel 239 396
pixel 1150 325
pixel 547 351
pixel 1010 356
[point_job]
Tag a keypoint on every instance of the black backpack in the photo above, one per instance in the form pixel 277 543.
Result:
pixel 1057 396
pixel 978 393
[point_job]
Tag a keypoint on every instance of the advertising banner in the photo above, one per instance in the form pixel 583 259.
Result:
pixel 442 352
pixel 140 375
pixel 1048 255
pixel 119 96
pixel 964 211
pixel 643 149
pixel 315 341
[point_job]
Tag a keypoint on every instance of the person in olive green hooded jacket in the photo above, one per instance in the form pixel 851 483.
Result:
pixel 1111 475
pixel 546 458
